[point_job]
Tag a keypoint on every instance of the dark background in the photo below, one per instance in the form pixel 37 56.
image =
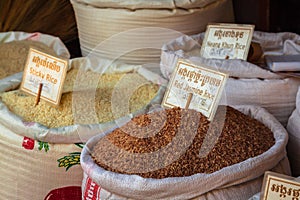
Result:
pixel 269 15
pixel 56 17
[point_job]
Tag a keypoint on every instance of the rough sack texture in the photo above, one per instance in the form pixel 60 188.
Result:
pixel 242 137
pixel 23 104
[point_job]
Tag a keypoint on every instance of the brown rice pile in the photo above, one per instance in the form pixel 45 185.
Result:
pixel 241 137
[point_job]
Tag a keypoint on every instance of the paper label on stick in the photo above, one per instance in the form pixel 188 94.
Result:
pixel 278 186
pixel 195 87
pixel 47 70
pixel 227 41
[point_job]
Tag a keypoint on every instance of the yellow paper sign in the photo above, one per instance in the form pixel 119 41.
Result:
pixel 47 71
pixel 195 87
pixel 278 186
pixel 227 41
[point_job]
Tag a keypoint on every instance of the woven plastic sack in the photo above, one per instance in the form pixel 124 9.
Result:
pixel 293 146
pixel 32 169
pixel 44 163
pixel 239 181
pixel 140 4
pixel 54 43
pixel 102 25
pixel 248 84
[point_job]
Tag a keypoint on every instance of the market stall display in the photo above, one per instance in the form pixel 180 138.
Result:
pixel 109 136
pixel 14 47
pixel 249 83
pixel 240 179
pixel 46 141
pixel 102 23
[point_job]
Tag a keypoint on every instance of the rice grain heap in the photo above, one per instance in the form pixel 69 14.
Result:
pixel 23 104
pixel 241 137
pixel 13 55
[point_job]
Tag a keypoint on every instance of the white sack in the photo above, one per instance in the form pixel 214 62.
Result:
pixel 293 146
pixel 71 134
pixel 241 191
pixel 51 41
pixel 102 25
pixel 31 169
pixel 248 84
pixel 139 4
pixel 238 181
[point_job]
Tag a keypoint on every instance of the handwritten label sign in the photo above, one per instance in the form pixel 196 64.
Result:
pixel 227 41
pixel 278 186
pixel 195 87
pixel 47 70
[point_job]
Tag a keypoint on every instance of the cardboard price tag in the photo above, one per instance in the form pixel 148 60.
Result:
pixel 44 76
pixel 227 41
pixel 195 87
pixel 278 186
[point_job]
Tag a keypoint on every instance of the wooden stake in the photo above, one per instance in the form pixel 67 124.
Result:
pixel 38 96
pixel 189 99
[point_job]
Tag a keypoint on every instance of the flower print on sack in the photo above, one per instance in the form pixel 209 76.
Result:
pixel 28 143
pixel 43 145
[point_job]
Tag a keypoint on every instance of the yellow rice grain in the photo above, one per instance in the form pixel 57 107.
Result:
pixel 23 104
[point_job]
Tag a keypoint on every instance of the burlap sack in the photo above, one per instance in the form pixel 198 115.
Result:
pixel 293 128
pixel 239 181
pixel 44 163
pixel 102 25
pixel 248 83
pixel 13 56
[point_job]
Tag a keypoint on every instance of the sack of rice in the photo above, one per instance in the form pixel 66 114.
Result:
pixel 179 154
pixel 293 128
pixel 248 84
pixel 14 47
pixel 41 145
pixel 103 25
